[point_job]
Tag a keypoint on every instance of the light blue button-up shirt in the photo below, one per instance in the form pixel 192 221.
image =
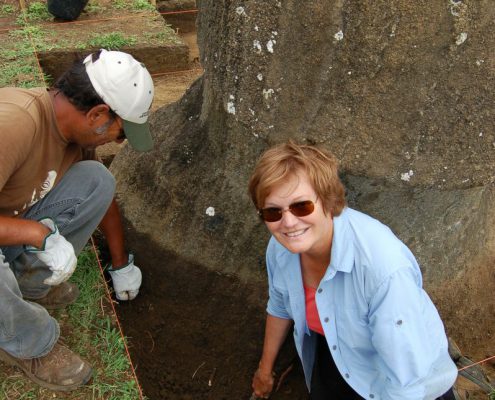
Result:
pixel 383 331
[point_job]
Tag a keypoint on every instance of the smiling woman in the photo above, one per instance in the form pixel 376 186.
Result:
pixel 363 325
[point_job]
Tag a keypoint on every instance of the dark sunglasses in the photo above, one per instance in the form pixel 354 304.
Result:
pixel 299 209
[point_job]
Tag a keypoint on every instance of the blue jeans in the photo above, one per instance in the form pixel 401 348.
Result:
pixel 76 204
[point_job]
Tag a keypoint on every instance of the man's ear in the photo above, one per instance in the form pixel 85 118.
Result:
pixel 95 114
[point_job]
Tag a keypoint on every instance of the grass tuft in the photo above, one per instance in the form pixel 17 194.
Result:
pixel 143 5
pixel 133 5
pixel 7 9
pixel 94 8
pixel 112 41
pixel 38 11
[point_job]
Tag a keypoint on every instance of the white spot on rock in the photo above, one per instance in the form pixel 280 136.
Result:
pixel 267 93
pixel 257 46
pixel 461 38
pixel 406 176
pixel 240 11
pixel 269 45
pixel 454 7
pixel 479 62
pixel 210 211
pixel 231 107
pixel 256 28
pixel 260 77
pixel 339 35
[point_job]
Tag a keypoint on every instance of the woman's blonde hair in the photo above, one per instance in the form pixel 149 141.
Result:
pixel 283 161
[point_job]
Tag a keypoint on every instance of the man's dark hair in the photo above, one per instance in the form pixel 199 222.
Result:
pixel 76 86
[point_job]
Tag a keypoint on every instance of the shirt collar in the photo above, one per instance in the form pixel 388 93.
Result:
pixel 342 258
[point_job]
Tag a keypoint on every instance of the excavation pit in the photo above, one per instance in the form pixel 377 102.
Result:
pixel 197 334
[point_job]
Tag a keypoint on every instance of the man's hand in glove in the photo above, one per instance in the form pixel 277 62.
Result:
pixel 57 253
pixel 126 280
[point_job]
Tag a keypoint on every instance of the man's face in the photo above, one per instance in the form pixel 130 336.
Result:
pixel 108 129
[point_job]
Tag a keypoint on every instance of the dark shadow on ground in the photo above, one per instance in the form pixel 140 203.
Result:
pixel 197 334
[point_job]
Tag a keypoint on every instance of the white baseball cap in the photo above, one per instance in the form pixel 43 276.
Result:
pixel 125 85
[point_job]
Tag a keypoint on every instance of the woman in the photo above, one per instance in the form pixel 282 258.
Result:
pixel 363 326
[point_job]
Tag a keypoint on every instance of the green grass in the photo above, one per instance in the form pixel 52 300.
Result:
pixel 112 378
pixel 38 11
pixel 142 5
pixel 112 41
pixel 90 331
pixel 6 9
pixel 93 7
pixel 34 35
pixel 18 65
pixel 23 72
pixel 133 5
pixel 120 4
pixel 491 396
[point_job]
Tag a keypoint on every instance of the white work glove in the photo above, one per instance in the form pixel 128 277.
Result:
pixel 57 253
pixel 126 280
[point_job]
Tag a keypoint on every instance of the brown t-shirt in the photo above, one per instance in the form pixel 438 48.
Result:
pixel 33 153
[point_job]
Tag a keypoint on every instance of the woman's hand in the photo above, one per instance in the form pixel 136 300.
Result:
pixel 263 383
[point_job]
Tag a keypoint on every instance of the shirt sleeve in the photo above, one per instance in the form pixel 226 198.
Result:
pixel 402 334
pixel 276 306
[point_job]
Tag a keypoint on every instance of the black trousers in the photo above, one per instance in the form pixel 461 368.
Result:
pixel 326 381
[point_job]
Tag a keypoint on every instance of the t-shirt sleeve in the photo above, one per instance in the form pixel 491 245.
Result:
pixel 18 131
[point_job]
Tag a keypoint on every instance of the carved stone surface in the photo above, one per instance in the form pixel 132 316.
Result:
pixel 402 93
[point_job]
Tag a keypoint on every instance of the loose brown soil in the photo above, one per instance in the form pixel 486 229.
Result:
pixel 196 334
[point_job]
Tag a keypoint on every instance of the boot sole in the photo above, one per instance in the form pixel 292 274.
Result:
pixel 8 359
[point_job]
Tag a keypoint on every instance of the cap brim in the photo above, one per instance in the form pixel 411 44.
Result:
pixel 138 135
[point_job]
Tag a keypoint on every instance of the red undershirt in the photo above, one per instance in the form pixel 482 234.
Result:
pixel 312 316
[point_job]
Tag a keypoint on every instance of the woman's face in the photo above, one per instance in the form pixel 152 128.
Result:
pixel 311 234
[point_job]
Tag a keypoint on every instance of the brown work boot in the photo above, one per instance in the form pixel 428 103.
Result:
pixel 59 296
pixel 60 369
